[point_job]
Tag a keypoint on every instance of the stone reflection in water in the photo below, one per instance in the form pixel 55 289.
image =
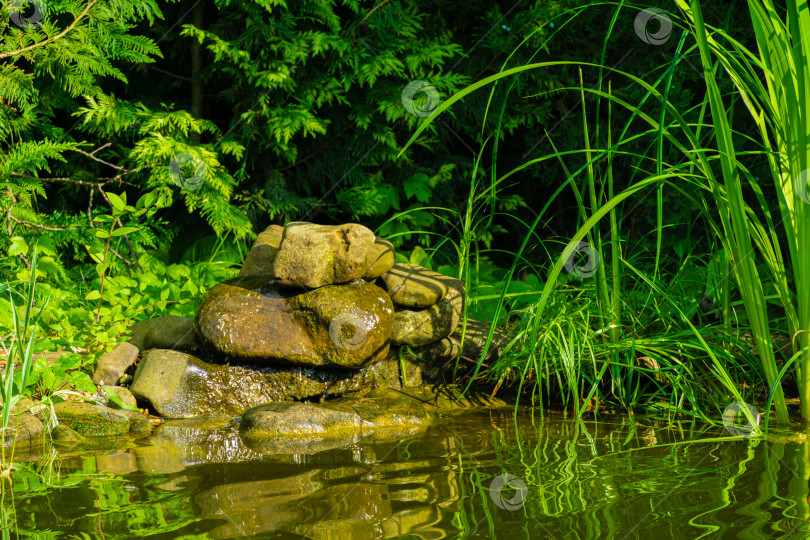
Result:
pixel 362 502
pixel 335 488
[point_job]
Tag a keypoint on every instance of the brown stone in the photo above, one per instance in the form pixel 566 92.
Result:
pixel 379 259
pixel 411 285
pixel 165 332
pixel 112 365
pixel 256 320
pixel 316 255
pixel 417 328
pixel 260 258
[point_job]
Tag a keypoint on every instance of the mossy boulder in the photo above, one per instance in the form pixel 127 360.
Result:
pixel 335 418
pixel 178 385
pixel 91 420
pixel 253 319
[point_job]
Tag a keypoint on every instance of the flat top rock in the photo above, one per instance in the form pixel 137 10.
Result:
pixel 164 332
pixel 313 255
pixel 333 418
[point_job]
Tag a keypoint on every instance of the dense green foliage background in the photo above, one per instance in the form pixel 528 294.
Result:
pixel 143 145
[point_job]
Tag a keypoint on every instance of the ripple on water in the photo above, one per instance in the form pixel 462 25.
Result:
pixel 612 478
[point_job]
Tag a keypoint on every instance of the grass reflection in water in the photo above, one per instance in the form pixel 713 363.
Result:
pixel 518 477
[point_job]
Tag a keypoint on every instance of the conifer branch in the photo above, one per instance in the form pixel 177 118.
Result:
pixel 60 35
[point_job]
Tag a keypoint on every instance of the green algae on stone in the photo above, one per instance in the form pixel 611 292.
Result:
pixel 91 420
pixel 254 319
pixel 178 385
pixel 335 418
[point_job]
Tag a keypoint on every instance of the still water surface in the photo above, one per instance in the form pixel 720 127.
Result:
pixel 462 478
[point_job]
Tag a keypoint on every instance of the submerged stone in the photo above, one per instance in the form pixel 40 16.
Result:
pixel 256 320
pixel 334 418
pixel 65 436
pixel 316 255
pixel 91 420
pixel 178 385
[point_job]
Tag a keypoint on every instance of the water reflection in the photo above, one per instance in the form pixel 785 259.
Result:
pixel 616 478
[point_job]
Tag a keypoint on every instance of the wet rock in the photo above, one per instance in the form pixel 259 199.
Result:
pixel 139 423
pixel 332 418
pixel 178 385
pixel 411 285
pixel 256 320
pixel 112 365
pixel 91 420
pixel 260 258
pixel 316 255
pixel 417 328
pixel 397 370
pixel 379 259
pixel 125 396
pixel 65 436
pixel 442 400
pixel 166 332
pixel 25 431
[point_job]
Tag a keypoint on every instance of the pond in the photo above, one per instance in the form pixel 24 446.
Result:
pixel 488 474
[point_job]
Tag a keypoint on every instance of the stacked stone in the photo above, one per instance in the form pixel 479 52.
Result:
pixel 428 305
pixel 303 318
pixel 313 313
pixel 304 297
